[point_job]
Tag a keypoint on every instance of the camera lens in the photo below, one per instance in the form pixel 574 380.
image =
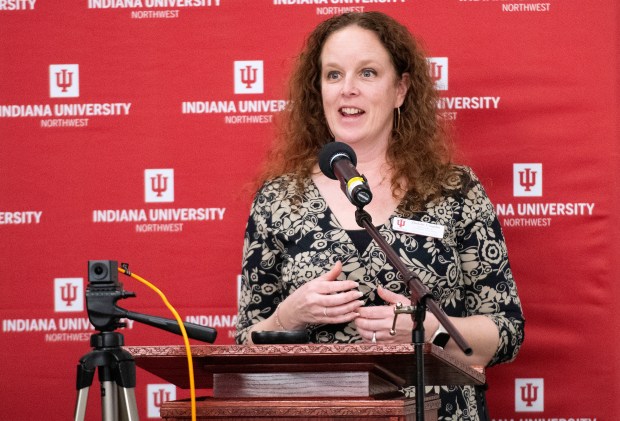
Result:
pixel 100 271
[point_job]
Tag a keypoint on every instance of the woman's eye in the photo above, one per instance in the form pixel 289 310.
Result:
pixel 332 75
pixel 368 72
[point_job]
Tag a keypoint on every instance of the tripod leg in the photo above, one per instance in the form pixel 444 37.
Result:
pixel 109 400
pixel 80 404
pixel 83 381
pixel 129 409
pixel 126 381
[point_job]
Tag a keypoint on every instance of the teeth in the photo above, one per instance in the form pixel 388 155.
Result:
pixel 350 111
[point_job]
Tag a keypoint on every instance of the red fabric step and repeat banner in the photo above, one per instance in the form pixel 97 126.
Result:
pixel 130 129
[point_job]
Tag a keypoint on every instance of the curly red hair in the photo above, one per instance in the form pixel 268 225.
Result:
pixel 419 151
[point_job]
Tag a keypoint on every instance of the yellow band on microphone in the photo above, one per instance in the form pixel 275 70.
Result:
pixel 354 181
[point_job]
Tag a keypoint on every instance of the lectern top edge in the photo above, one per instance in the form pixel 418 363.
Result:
pixel 170 362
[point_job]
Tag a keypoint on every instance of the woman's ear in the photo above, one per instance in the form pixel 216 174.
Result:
pixel 402 88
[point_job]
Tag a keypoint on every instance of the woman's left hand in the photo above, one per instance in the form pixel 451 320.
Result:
pixel 375 322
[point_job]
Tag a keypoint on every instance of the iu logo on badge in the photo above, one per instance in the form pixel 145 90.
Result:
pixel 249 77
pixel 159 185
pixel 529 395
pixel 527 180
pixel 64 81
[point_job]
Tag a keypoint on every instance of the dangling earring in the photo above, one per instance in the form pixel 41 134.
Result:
pixel 397 119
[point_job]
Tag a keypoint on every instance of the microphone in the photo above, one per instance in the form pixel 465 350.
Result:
pixel 337 161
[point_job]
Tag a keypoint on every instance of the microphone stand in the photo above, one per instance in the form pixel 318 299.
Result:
pixel 420 301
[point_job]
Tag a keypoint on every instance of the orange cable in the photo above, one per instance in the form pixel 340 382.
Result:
pixel 188 350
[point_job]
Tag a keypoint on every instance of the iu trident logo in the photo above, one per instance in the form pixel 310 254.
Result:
pixel 249 77
pixel 527 179
pixel 438 68
pixel 68 295
pixel 157 394
pixel 64 81
pixel 529 395
pixel 159 185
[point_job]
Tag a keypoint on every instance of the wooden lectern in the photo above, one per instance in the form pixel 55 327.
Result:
pixel 310 381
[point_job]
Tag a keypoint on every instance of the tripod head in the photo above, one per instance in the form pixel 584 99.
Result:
pixel 102 293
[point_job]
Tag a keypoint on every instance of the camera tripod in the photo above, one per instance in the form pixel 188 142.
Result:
pixel 117 378
pixel 117 369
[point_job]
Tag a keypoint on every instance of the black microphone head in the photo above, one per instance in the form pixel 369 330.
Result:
pixel 331 153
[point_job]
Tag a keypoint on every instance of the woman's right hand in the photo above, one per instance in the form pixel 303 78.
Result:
pixel 324 300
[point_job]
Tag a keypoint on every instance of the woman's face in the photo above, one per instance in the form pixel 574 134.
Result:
pixel 359 86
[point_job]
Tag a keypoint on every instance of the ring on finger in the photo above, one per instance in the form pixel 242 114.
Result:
pixel 374 337
pixel 325 311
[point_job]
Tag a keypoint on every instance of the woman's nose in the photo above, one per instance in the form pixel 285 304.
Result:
pixel 349 86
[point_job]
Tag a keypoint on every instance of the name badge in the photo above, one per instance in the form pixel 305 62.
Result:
pixel 418 227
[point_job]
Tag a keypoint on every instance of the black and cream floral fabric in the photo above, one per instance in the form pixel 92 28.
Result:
pixel 292 239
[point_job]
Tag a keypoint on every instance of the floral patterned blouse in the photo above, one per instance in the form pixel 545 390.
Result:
pixel 292 239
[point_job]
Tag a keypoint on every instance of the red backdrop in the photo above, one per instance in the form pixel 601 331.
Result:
pixel 102 101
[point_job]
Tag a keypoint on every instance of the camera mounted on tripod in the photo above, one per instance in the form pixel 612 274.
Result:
pixel 102 293
pixel 104 290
